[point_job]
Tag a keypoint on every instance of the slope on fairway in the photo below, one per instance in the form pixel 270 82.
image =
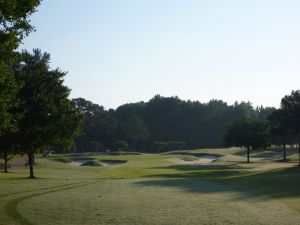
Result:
pixel 150 189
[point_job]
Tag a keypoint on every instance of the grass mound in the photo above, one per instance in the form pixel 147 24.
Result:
pixel 92 163
pixel 63 159
pixel 195 154
pixel 120 153
pixel 189 158
pixel 113 162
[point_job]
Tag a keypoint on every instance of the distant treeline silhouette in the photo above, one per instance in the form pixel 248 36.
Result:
pixel 161 124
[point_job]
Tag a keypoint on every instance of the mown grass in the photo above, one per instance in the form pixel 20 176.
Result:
pixel 151 189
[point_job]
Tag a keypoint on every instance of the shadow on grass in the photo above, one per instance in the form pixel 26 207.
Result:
pixel 211 171
pixel 188 167
pixel 264 154
pixel 192 154
pixel 208 175
pixel 275 184
pixel 88 154
pixel 11 207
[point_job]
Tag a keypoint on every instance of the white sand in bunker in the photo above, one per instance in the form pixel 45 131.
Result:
pixel 197 160
pixel 78 162
pixel 112 163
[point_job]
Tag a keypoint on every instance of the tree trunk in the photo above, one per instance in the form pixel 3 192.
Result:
pixel 30 162
pixel 284 152
pixel 5 161
pixel 248 154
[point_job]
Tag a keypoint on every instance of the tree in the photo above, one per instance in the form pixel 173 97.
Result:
pixel 291 105
pixel 279 129
pixel 159 146
pixel 121 145
pixel 99 126
pixel 134 129
pixel 246 132
pixel 8 149
pixel 49 118
pixel 14 26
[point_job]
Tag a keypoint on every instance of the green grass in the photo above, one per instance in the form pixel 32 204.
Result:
pixel 63 159
pixel 152 189
pixel 91 163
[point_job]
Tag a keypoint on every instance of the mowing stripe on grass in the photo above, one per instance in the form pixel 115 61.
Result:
pixel 11 207
pixel 36 190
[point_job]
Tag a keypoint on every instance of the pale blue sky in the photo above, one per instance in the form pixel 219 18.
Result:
pixel 120 51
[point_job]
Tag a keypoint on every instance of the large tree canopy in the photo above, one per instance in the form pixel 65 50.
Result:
pixel 291 105
pixel 48 117
pixel 14 26
pixel 246 132
pixel 280 130
pixel 8 99
pixel 285 122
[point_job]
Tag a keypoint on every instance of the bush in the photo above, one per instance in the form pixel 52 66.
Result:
pixel 160 146
pixel 121 145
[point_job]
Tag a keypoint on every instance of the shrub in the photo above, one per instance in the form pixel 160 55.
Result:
pixel 160 146
pixel 121 145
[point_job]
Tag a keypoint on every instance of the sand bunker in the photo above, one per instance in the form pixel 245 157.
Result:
pixel 113 162
pixel 78 162
pixel 81 162
pixel 200 160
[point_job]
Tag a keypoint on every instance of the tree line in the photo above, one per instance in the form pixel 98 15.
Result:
pixel 282 128
pixel 161 124
pixel 36 113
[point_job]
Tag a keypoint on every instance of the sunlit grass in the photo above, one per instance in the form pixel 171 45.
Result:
pixel 151 189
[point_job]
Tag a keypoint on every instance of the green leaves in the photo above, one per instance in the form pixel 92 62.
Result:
pixel 49 118
pixel 246 132
pixel 14 24
pixel 8 90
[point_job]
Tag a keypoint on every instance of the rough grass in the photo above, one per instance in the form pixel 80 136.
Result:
pixel 63 159
pixel 150 189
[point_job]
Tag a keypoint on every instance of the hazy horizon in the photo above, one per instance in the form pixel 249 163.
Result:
pixel 193 100
pixel 118 52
